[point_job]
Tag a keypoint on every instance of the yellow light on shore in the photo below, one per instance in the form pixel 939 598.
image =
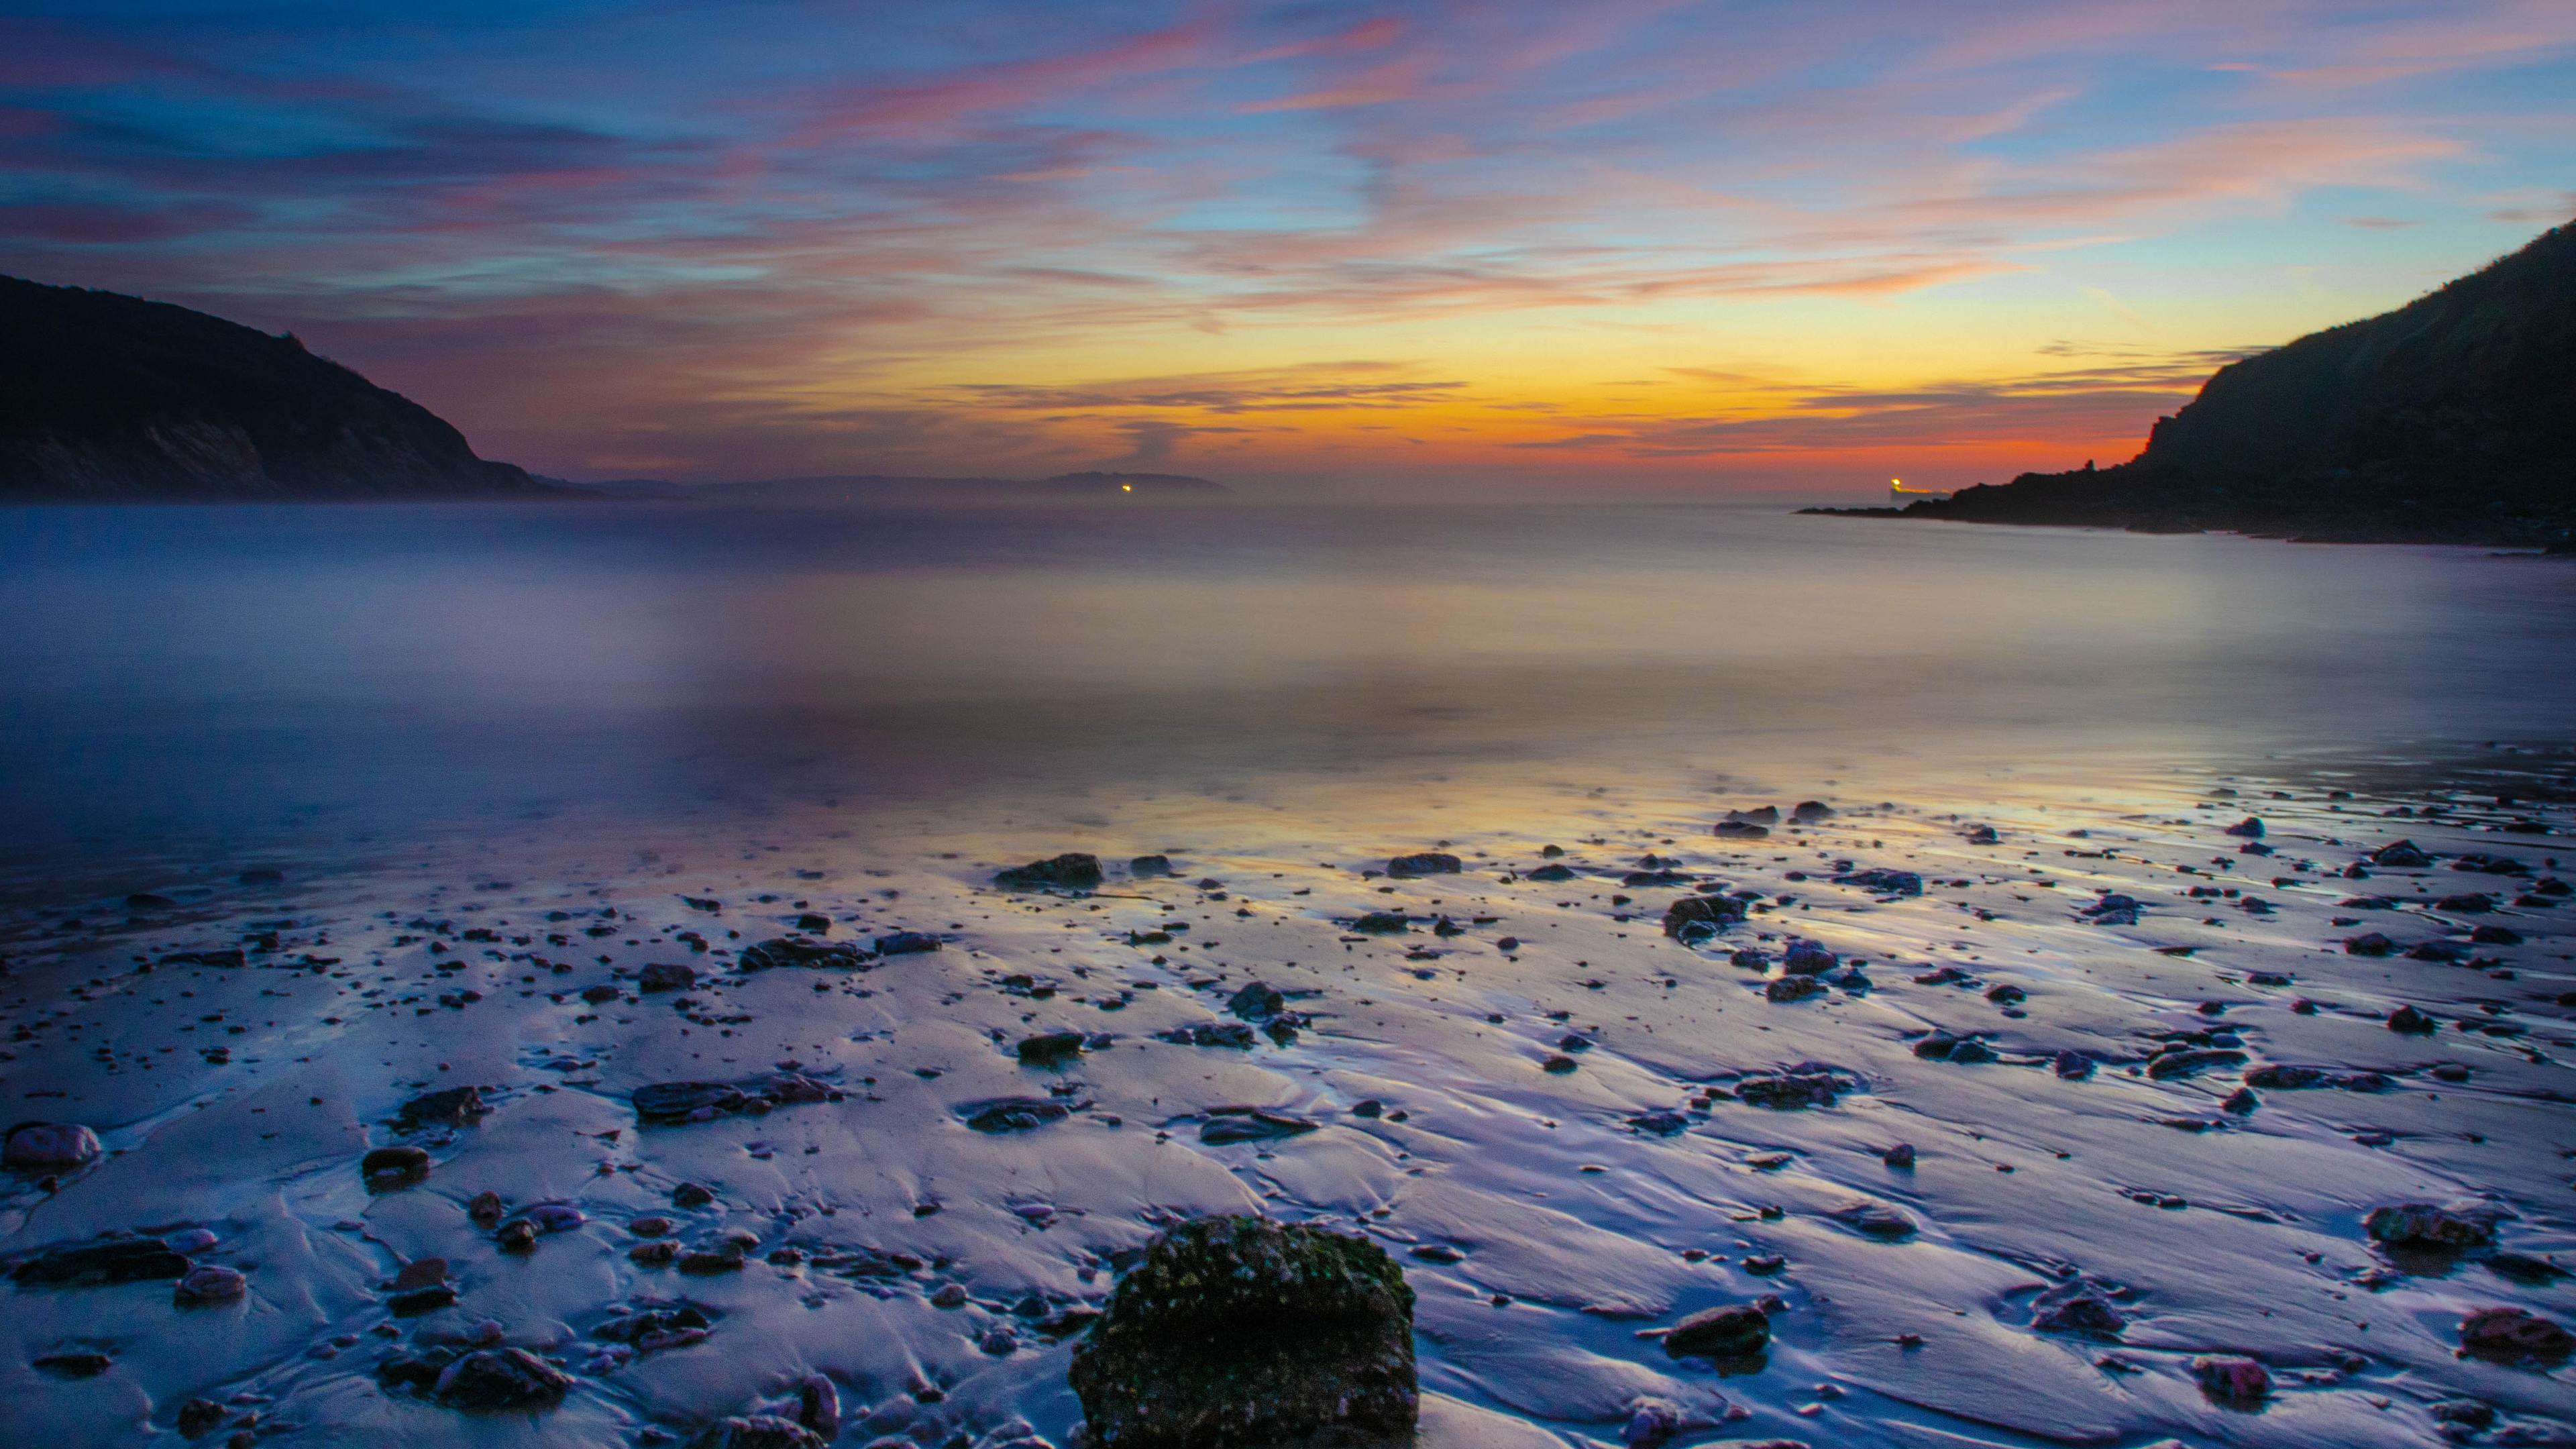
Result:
pixel 1126 487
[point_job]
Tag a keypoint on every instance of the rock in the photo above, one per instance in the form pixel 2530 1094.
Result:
pixel 666 976
pixel 48 1146
pixel 2074 1066
pixel 1072 871
pixel 1740 830
pixel 211 1283
pixel 1381 923
pixel 1698 917
pixel 1552 873
pixel 786 951
pixel 1150 865
pixel 1248 1124
pixel 419 1273
pixel 2370 943
pixel 189 1240
pixel 1660 1124
pixel 485 1209
pixel 1760 815
pixel 1558 1065
pixel 1807 958
pixel 1425 862
pixel 2495 936
pixel 707 1262
pixel 1792 988
pixel 601 994
pixel 2191 1063
pixel 1808 812
pixel 687 1101
pixel 2448 1228
pixel 1790 1090
pixel 2071 1309
pixel 1257 1002
pixel 2408 1021
pixel 2250 828
pixel 1210 1034
pixel 1900 1156
pixel 501 1378
pixel 1050 1049
pixel 657 1329
pixel 198 1418
pixel 2231 1380
pixel 1876 1220
pixel 518 1235
pixel 2401 855
pixel 2240 1102
pixel 1238 1331
pixel 1652 1423
pixel 108 1260
pixel 1012 1114
pixel 1720 1333
pixel 691 1195
pixel 76 1364
pixel 556 1217
pixel 2467 903
pixel 757 1431
pixel 1884 882
pixel 1981 835
pixel 454 1107
pixel 907 943
pixel 389 1168
pixel 2515 1337
pixel 818 1406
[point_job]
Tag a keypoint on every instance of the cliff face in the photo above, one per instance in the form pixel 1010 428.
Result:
pixel 2452 419
pixel 107 398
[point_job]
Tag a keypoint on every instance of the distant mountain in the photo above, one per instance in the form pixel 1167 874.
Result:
pixel 873 488
pixel 109 398
pixel 2449 420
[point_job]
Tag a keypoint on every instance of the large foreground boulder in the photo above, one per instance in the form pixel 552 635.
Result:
pixel 1237 1332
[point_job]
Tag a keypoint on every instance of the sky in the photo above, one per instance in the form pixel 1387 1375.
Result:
pixel 1668 245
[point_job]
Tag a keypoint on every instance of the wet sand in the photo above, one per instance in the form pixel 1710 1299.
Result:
pixel 1540 1107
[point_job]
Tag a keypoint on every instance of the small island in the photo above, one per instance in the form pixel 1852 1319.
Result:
pixel 2449 420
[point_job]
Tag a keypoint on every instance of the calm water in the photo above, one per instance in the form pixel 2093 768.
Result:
pixel 265 676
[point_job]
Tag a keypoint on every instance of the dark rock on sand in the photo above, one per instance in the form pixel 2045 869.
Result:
pixel 1249 1124
pixel 1739 1332
pixel 48 1146
pixel 1740 830
pixel 906 943
pixel 73 1364
pixel 1792 988
pixel 1237 1331
pixel 1698 917
pixel 389 1168
pixel 1150 865
pixel 1071 871
pixel 1210 1034
pixel 197 1418
pixel 501 1378
pixel 1876 1220
pixel 454 1107
pixel 1426 862
pixel 802 951
pixel 210 1283
pixel 1050 1049
pixel 1012 1114
pixel 2230 1380
pixel 1381 923
pixel 1257 1001
pixel 1799 1086
pixel 757 1431
pixel 2408 1021
pixel 105 1261
pixel 2515 1337
pixel 2450 1228
pixel 2076 1310
pixel 2370 943
pixel 2191 1063
pixel 1884 882
pixel 2401 855
pixel 670 1102
pixel 666 976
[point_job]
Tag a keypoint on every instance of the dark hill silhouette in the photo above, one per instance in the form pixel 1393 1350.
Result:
pixel 2449 420
pixel 109 398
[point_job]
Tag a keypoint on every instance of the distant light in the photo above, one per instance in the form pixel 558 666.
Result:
pixel 1126 487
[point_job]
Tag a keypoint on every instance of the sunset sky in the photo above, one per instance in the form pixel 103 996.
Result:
pixel 1300 246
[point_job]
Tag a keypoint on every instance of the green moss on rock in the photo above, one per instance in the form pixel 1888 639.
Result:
pixel 1238 1332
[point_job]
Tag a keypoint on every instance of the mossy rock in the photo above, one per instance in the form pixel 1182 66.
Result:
pixel 1239 1333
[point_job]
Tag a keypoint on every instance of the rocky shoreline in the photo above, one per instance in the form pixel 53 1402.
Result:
pixel 2231 1114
